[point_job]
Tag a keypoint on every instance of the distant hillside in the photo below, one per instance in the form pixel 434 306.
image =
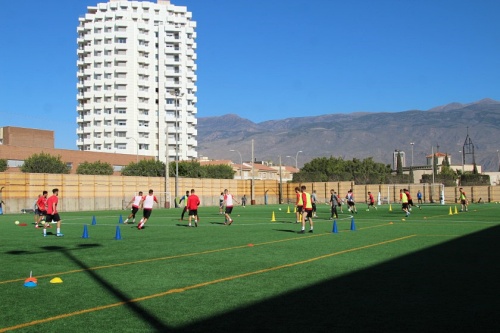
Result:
pixel 359 135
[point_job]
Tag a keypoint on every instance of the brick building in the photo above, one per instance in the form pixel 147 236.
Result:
pixel 17 144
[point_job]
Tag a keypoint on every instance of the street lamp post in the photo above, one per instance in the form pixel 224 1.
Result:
pixel 137 148
pixel 177 94
pixel 295 158
pixel 412 144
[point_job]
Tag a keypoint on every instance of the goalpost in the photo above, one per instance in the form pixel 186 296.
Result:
pixel 431 193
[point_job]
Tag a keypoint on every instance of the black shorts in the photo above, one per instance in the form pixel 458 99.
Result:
pixel 229 210
pixel 221 203
pixel 193 212
pixel 314 206
pixel 42 212
pixel 350 203
pixel 299 209
pixel 463 202
pixel 135 210
pixel 307 213
pixel 405 205
pixel 53 218
pixel 371 203
pixel 410 202
pixel 146 213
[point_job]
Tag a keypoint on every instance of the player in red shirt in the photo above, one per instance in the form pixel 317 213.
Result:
pixel 192 205
pixel 41 205
pixel 371 201
pixel 52 213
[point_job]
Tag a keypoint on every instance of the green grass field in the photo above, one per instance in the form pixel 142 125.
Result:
pixel 433 272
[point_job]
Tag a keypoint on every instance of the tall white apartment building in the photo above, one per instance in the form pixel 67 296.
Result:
pixel 136 80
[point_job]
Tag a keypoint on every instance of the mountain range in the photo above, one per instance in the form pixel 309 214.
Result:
pixel 359 135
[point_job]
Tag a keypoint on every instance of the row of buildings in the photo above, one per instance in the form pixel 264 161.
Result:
pixel 17 144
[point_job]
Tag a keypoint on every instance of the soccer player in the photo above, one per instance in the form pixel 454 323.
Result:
pixel 371 201
pixel 334 202
pixel 136 200
pixel 41 208
pixel 52 213
pixel 404 202
pixel 221 203
pixel 228 202
pixel 147 203
pixel 192 205
pixel 410 200
pixel 419 198
pixel 463 200
pixel 314 200
pixel 350 202
pixel 185 199
pixel 307 212
pixel 298 204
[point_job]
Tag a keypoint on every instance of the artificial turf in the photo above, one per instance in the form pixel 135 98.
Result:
pixel 434 271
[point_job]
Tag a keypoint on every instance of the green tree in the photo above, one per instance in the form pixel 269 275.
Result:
pixel 95 168
pixel 3 165
pixel 221 171
pixel 446 161
pixel 146 168
pixel 336 169
pixel 44 163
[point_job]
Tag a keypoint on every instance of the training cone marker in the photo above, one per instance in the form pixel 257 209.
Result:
pixel 118 235
pixel 288 211
pixel 94 222
pixel 56 280
pixel 353 226
pixel 335 230
pixel 390 207
pixel 295 209
pixel 120 220
pixel 273 218
pixel 85 232
pixel 456 211
pixel 450 213
pixel 31 281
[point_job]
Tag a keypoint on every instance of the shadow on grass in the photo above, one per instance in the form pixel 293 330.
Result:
pixel 451 287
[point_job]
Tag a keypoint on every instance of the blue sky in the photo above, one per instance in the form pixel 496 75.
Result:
pixel 272 59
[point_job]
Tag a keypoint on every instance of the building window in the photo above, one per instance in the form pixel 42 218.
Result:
pixel 121 40
pixel 143 146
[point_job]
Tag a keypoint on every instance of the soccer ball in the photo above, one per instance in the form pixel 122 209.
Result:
pixel 279 208
pixel 17 222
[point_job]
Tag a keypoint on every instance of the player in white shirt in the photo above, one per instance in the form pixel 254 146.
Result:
pixel 228 201
pixel 135 202
pixel 147 203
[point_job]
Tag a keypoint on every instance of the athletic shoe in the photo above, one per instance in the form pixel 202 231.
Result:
pixel 44 235
pixel 59 234
pixel 311 231
pixel 140 225
pixel 230 222
pixel 301 232
pixel 53 222
pixel 36 226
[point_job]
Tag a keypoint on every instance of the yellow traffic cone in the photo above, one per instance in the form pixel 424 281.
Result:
pixel 273 218
pixel 451 213
pixel 288 211
pixel 295 209
pixel 390 207
pixel 456 211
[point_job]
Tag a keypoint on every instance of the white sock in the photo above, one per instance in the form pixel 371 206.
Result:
pixel 58 230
